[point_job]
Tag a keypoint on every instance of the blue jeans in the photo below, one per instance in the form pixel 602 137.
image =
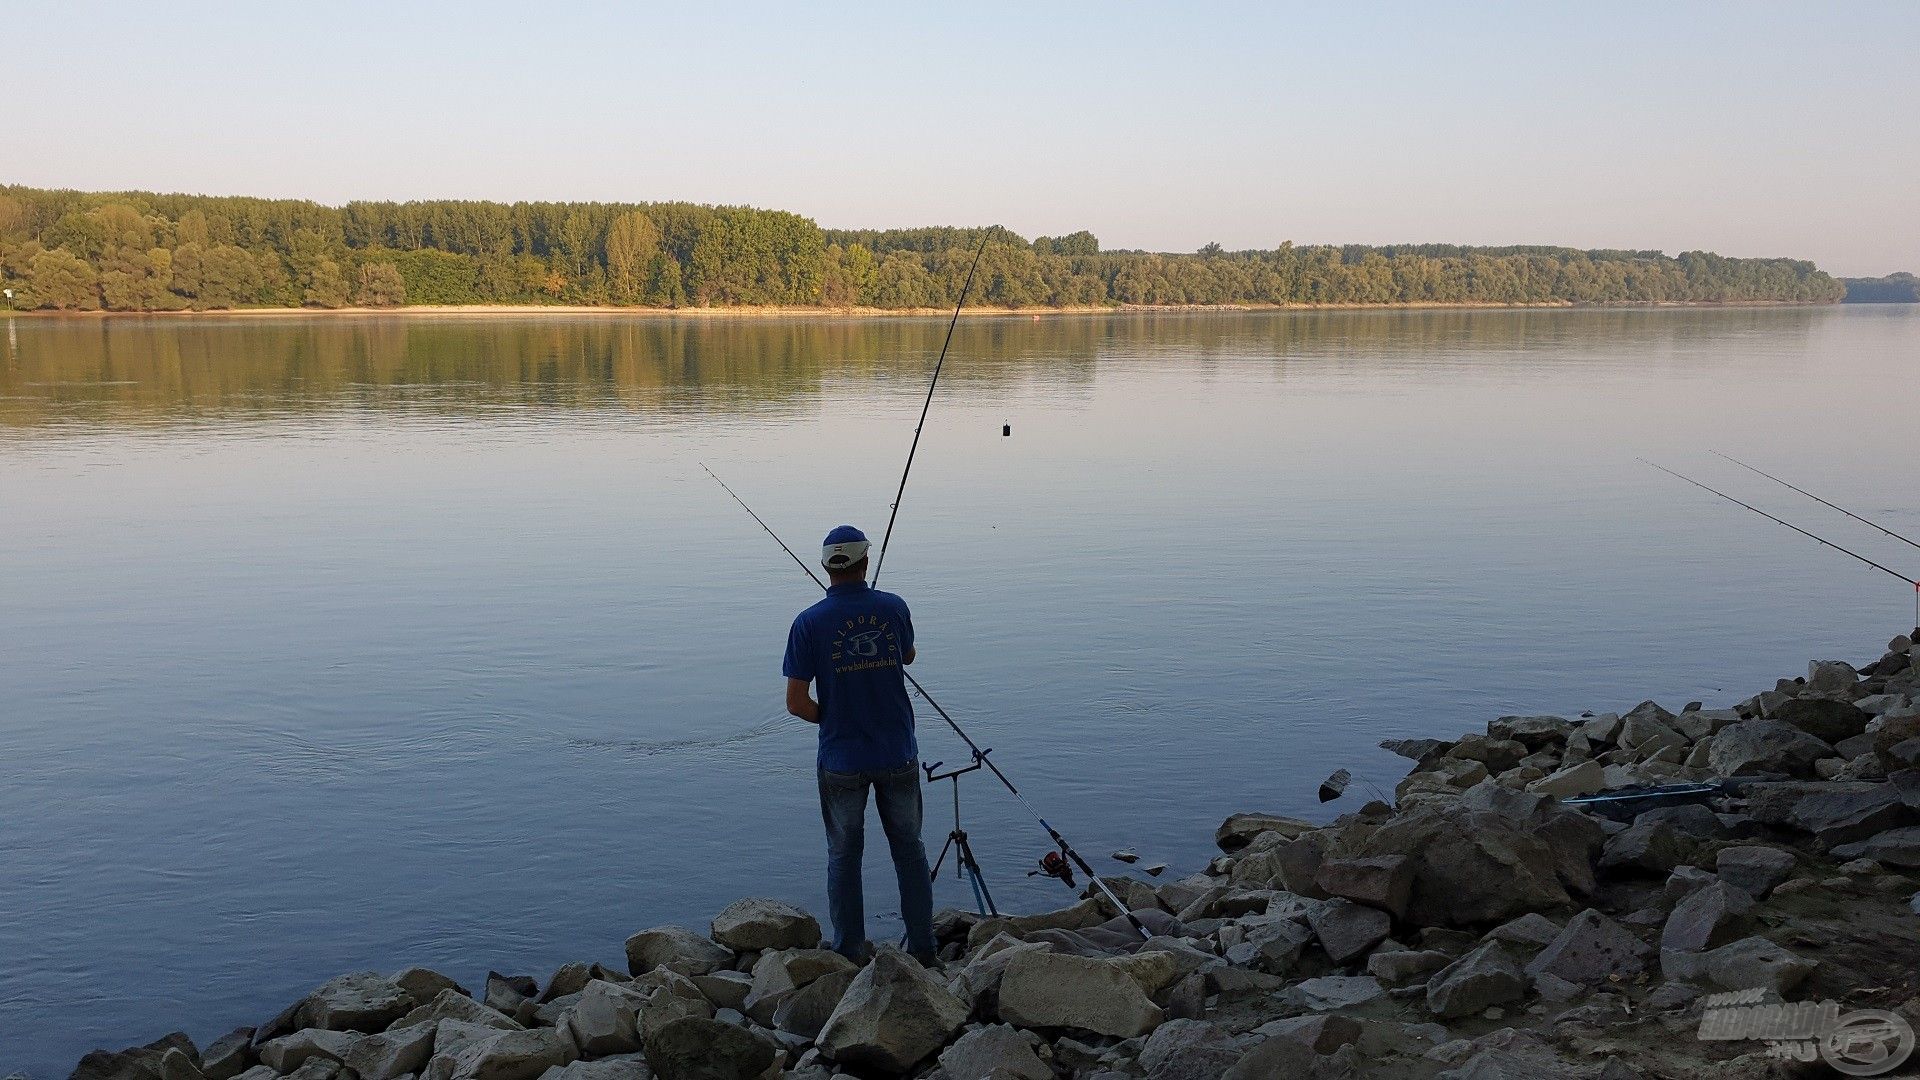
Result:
pixel 843 807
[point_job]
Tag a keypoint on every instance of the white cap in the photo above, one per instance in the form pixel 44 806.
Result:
pixel 841 556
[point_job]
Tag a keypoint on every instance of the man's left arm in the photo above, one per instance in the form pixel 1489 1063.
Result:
pixel 907 651
pixel 798 668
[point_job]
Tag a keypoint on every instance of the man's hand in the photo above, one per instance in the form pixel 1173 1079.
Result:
pixel 800 703
pixel 911 653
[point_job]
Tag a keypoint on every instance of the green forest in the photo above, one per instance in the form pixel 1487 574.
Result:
pixel 1902 288
pixel 137 251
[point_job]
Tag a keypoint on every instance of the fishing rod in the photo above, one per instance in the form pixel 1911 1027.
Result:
pixel 979 755
pixel 924 406
pixel 1802 532
pixel 1818 499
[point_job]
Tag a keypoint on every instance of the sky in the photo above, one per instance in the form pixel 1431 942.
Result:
pixel 1754 129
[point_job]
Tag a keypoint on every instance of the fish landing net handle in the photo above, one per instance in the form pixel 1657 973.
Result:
pixel 1066 849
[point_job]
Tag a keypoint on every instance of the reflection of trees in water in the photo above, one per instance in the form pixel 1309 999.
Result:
pixel 172 370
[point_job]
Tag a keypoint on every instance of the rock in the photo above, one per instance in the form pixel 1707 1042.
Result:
pixel 1188 1050
pixel 1420 751
pixel 695 1049
pixel 1646 736
pixel 725 989
pixel 508 993
pixel 760 923
pixel 1042 989
pixel 1485 977
pixel 1843 814
pixel 1705 918
pixel 320 1069
pixel 1498 755
pixel 133 1063
pixel 779 973
pixel 1406 967
pixel 1750 963
pixel 1383 881
pixel 1322 1033
pixel 1348 930
pixel 1878 704
pixel 1583 779
pixel 1469 866
pixel 895 1012
pixel 424 984
pixel 228 1056
pixel 1754 870
pixel 676 948
pixel 1823 718
pixel 1533 732
pixel 1693 819
pixel 807 1010
pixel 289 1052
pixel 1274 1059
pixel 1529 933
pixel 1649 848
pixel 995 1051
pixel 1084 915
pixel 1699 724
pixel 1752 747
pixel 624 1067
pixel 1829 679
pixel 508 1055
pixel 1271 943
pixel 1895 847
pixel 363 1001
pixel 1332 992
pixel 605 1019
pixel 1239 830
pixel 1861 868
pixel 978 983
pixel 1600 730
pixel 1589 951
pixel 454 1005
pixel 392 1053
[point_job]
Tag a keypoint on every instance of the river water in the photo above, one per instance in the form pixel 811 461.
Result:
pixel 338 643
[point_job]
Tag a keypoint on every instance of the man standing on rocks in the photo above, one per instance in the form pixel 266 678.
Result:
pixel 853 646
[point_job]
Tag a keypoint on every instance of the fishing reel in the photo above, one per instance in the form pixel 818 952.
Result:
pixel 1054 865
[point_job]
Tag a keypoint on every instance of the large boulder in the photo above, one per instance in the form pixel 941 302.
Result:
pixel 133 1063
pixel 1842 814
pixel 1348 931
pixel 693 1048
pixel 1483 978
pixel 1823 718
pixel 227 1056
pixel 508 1055
pixel 363 1001
pixel 1646 847
pixel 1753 747
pixel 761 923
pixel 605 1019
pixel 1533 732
pixel 1469 866
pixel 1188 1050
pixel 1270 943
pixel 454 1005
pixel 1748 964
pixel 1895 847
pixel 1705 918
pixel 780 973
pixel 1239 830
pixel 994 1052
pixel 808 1009
pixel 392 1053
pixel 289 1052
pixel 1573 837
pixel 1050 990
pixel 424 984
pixel 894 1014
pixel 677 948
pixel 1589 951
pixel 1383 881
pixel 978 983
pixel 1754 869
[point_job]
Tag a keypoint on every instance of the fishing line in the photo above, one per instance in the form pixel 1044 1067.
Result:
pixel 1818 499
pixel 928 404
pixel 978 754
pixel 1802 532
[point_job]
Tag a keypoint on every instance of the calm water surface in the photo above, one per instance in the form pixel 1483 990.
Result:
pixel 344 643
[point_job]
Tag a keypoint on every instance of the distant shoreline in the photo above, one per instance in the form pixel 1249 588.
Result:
pixel 751 311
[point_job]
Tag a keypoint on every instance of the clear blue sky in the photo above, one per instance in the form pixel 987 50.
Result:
pixel 1747 128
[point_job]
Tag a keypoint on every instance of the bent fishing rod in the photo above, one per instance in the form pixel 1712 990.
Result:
pixel 978 754
pixel 1818 499
pixel 894 512
pixel 1802 532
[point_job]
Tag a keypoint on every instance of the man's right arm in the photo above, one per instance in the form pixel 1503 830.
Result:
pixel 800 703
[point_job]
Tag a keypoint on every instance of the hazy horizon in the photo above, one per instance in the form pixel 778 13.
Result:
pixel 1749 130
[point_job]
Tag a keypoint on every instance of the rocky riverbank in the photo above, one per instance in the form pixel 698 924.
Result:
pixel 1480 927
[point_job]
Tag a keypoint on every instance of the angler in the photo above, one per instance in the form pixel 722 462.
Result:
pixel 852 647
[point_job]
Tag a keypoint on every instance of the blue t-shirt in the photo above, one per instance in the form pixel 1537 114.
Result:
pixel 851 646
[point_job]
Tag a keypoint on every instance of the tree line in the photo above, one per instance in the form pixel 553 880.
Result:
pixel 1901 288
pixel 139 251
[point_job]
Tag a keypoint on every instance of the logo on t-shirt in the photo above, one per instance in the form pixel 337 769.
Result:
pixel 863 643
